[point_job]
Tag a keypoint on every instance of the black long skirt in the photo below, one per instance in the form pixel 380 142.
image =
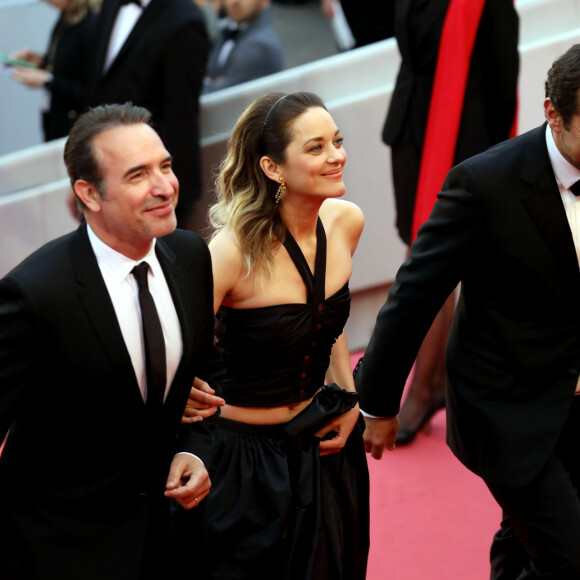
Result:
pixel 278 510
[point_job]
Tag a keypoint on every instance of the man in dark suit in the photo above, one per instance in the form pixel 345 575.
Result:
pixel 485 115
pixel 93 452
pixel 247 48
pixel 504 226
pixel 153 53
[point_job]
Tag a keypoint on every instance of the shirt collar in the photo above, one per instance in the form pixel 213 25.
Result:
pixel 116 265
pixel 566 174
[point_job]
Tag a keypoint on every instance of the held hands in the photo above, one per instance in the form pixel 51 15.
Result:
pixel 202 402
pixel 380 433
pixel 188 482
pixel 343 426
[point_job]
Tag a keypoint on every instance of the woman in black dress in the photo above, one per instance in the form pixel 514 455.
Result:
pixel 289 497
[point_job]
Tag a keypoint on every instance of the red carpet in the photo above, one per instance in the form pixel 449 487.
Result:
pixel 431 518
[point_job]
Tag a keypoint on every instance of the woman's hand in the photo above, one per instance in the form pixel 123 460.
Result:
pixel 202 402
pixel 33 78
pixel 343 425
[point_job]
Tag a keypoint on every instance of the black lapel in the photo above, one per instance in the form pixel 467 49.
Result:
pixel 544 204
pixel 99 308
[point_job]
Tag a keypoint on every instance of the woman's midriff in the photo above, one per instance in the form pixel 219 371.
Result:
pixel 263 415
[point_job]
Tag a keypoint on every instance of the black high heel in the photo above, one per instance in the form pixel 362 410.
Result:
pixel 406 436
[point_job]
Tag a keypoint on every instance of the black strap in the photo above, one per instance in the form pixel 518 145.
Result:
pixel 316 284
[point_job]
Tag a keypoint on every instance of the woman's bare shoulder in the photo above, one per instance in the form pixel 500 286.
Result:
pixel 344 217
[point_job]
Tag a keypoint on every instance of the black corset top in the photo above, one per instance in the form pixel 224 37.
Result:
pixel 278 355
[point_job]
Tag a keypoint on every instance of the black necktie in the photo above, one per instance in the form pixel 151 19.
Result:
pixel 155 364
pixel 575 189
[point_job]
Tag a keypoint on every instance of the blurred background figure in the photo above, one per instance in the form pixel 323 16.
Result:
pixel 215 16
pixel 369 21
pixel 485 116
pixel 248 46
pixel 154 53
pixel 62 71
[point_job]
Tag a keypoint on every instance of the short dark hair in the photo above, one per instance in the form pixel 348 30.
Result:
pixel 79 155
pixel 563 82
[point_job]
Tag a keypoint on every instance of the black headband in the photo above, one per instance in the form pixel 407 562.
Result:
pixel 270 111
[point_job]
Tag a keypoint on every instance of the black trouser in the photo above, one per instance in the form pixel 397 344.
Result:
pixel 540 533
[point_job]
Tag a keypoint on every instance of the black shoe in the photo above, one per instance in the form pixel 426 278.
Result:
pixel 406 436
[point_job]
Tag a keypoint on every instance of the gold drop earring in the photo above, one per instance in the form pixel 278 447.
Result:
pixel 281 191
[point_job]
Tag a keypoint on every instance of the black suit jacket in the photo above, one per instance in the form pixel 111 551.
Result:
pixel 83 470
pixel 513 355
pixel 160 67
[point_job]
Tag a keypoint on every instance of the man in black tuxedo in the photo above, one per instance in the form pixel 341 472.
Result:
pixel 504 227
pixel 93 451
pixel 153 53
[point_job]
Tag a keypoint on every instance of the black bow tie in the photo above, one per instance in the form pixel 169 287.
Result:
pixel 138 2
pixel 575 188
pixel 230 33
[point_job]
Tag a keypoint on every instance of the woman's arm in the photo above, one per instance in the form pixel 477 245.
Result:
pixel 339 370
pixel 226 268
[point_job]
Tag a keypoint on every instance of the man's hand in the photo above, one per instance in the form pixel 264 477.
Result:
pixel 380 433
pixel 202 402
pixel 188 482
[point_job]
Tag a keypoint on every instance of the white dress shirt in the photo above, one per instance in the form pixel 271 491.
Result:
pixel 122 286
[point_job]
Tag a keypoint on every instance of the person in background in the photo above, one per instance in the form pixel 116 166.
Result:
pixel 153 53
pixel 102 332
pixel 427 136
pixel 248 46
pixel 62 71
pixel 504 226
pixel 290 495
pixel 369 21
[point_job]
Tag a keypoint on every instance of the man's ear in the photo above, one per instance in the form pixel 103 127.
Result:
pixel 88 194
pixel 270 168
pixel 552 116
